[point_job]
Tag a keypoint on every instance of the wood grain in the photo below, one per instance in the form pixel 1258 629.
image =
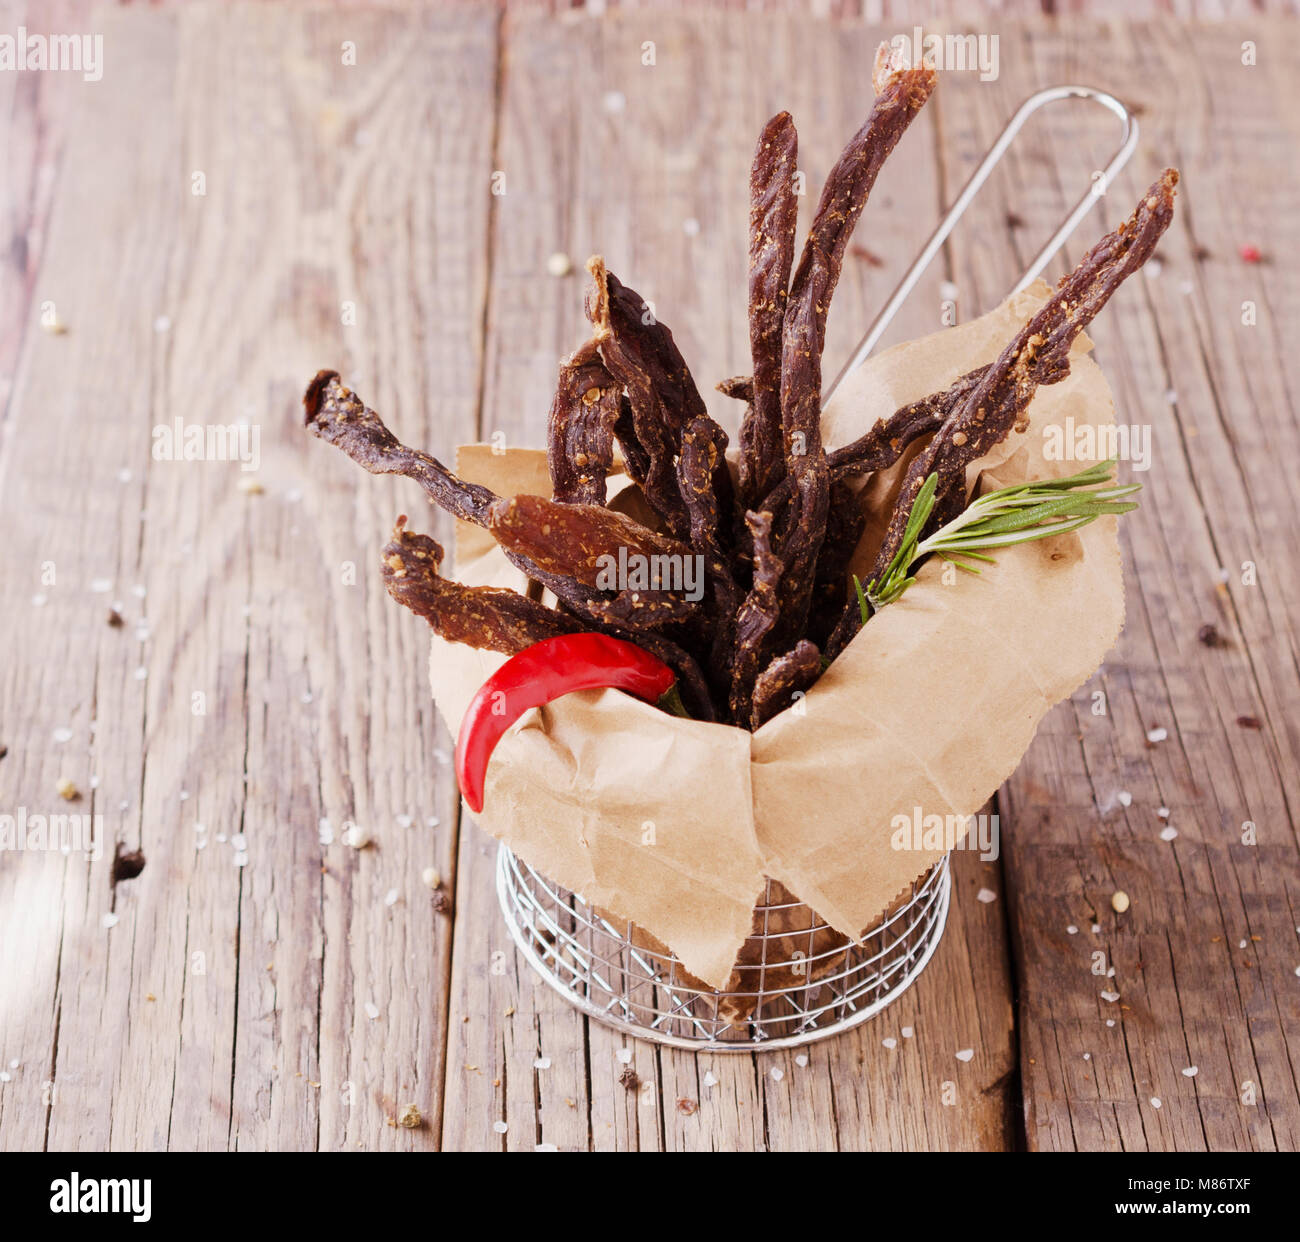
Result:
pixel 302 999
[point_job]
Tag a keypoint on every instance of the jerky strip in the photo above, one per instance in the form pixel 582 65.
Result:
pixel 756 616
pixel 886 442
pixel 585 541
pixel 580 439
pixel 845 523
pixel 900 96
pixel 773 215
pixel 339 417
pixel 1039 354
pixel 641 355
pixel 494 618
pixel 785 678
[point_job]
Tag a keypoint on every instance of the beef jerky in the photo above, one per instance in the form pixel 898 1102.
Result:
pixel 845 523
pixel 580 439
pixel 738 387
pixel 886 442
pixel 1039 354
pixel 900 96
pixel 339 417
pixel 773 215
pixel 782 681
pixel 641 355
pixel 494 618
pixel 756 616
pixel 594 545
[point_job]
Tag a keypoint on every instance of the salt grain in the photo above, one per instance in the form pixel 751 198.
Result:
pixel 614 101
pixel 907 1032
pixel 1119 901
pixel 356 836
pixel 986 895
pixel 241 860
pixel 1110 1021
pixel 390 897
pixel 801 1060
pixel 710 1080
pixel 101 586
pixel 1125 798
pixel 1162 812
pixel 109 920
pixel 545 1147
pixel 1168 834
pixel 1110 997
pixel 890 1043
pixel 777 1073
pixel 325 830
pixel 1157 735
pixel 1155 1101
pixel 1072 930
pixel 691 227
pixel 500 1127
pixel 431 877
pixel 39 601
pixel 62 735
pixel 372 1010
pixel 403 821
pixel 1191 1071
pixel 624 1056
pixel 965 1054
pixel 542 1063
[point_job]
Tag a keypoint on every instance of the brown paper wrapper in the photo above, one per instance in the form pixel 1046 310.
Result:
pixel 674 824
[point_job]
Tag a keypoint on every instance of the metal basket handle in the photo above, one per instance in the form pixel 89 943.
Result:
pixel 972 187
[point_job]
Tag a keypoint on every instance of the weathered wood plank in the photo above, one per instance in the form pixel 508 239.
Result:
pixel 1082 809
pixel 228 1006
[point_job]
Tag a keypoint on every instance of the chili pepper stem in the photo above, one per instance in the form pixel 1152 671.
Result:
pixel 671 702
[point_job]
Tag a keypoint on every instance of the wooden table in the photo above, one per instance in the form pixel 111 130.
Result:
pixel 231 208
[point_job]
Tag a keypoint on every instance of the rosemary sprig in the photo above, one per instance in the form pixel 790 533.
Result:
pixel 1008 516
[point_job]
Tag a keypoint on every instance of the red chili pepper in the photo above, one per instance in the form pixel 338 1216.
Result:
pixel 545 671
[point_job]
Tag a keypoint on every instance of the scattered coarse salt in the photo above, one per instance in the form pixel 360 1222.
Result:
pixel 124 475
pixel 221 838
pixel 907 1032
pixel 4 1076
pixel 801 1060
pixel 890 1043
pixel 542 1063
pixel 1157 735
pixel 1110 1021
pixel 1168 833
pixel 185 795
pixel 948 292
pixel 1096 929
pixel 1125 798
pixel 141 673
pixel 966 1054
pixel 1243 944
pixel 614 101
pixel 39 600
pixel 559 264
pixel 241 859
pixel 545 1147
pixel 162 324
pixel 305 697
pixel 356 836
pixel 986 895
pixel 1072 930
pixel 432 877
pixel 14 1063
pixel 1163 812
pixel 325 831
pixel 101 586
pixel 500 1127
pixel 390 897
pixel 62 735
pixel 109 920
pixel 441 756
pixel 1119 901
pixel 777 1073
pixel 709 1079
pixel 1191 1071
pixel 1087 1056
pixel 239 841
pixel 1155 1101
pixel 403 821
pixel 1110 997
pixel 372 1010
pixel 624 1056
pixel 1171 396
pixel 432 821
pixel 691 226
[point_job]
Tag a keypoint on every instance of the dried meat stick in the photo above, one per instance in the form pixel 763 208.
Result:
pixel 773 216
pixel 756 616
pixel 845 524
pixel 337 415
pixel 494 618
pixel 580 429
pixel 900 95
pixel 641 355
pixel 781 683
pixel 1039 354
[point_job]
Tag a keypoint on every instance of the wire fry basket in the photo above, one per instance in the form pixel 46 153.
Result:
pixel 797 979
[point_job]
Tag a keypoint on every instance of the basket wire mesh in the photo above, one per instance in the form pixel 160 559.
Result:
pixel 791 986
pixel 797 979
